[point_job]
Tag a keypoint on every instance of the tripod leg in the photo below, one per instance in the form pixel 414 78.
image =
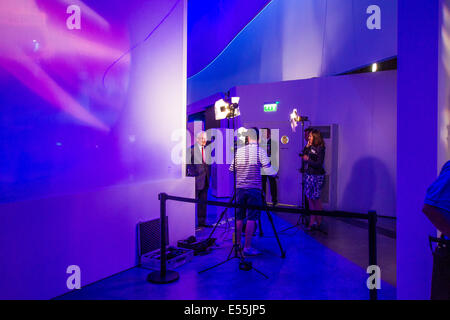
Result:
pixel 217 223
pixel 283 253
pixel 298 223
pixel 263 195
pixel 220 263
pixel 260 227
pixel 220 218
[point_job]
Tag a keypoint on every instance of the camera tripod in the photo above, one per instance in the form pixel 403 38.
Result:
pixel 269 216
pixel 237 249
pixel 216 225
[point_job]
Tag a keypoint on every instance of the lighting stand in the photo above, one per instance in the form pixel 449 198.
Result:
pixel 302 219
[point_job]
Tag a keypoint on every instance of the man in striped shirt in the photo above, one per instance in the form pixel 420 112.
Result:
pixel 251 162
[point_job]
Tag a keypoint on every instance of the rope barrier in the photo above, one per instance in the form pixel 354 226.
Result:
pixel 167 276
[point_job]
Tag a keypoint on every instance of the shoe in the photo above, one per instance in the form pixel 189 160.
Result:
pixel 207 225
pixel 251 252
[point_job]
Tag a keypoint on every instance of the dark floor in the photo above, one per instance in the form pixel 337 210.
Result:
pixel 349 238
pixel 316 267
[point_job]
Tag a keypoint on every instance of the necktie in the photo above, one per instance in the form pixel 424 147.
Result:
pixel 203 156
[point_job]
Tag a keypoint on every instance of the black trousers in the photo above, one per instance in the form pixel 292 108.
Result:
pixel 440 283
pixel 273 187
pixel 201 208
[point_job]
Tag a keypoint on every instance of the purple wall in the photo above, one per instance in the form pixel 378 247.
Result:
pixel 417 142
pixel 79 106
pixel 364 108
pixel 93 158
pixel 95 230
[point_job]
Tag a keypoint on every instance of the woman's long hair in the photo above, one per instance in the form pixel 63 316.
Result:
pixel 317 138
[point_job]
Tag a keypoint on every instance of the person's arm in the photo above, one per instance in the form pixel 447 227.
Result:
pixel 437 201
pixel 232 164
pixel 317 160
pixel 191 169
pixel 438 217
pixel 267 168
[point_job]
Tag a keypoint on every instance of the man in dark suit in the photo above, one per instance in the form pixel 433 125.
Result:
pixel 267 145
pixel 199 168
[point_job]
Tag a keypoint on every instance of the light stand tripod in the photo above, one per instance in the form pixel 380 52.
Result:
pixel 294 119
pixel 232 199
pixel 302 219
pixel 236 249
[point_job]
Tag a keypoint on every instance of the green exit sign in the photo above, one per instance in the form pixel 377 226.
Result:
pixel 271 107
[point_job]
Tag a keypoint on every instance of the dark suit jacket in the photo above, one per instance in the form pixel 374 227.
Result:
pixel 195 168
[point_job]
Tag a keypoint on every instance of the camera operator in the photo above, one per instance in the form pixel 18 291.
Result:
pixel 251 162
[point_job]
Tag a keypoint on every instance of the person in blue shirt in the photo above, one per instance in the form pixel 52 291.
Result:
pixel 437 201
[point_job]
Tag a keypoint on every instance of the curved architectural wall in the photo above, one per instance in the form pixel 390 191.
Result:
pixel 291 39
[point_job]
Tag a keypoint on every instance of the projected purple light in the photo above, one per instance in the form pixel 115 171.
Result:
pixel 59 64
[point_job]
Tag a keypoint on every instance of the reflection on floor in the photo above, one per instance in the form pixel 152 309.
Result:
pixel 349 238
pixel 310 270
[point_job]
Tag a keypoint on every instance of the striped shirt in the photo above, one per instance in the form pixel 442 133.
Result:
pixel 251 162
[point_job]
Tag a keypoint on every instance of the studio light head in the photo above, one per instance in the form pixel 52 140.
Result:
pixel 224 108
pixel 296 118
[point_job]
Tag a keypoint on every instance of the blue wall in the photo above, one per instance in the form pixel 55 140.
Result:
pixel 291 39
pixel 417 142
pixel 213 24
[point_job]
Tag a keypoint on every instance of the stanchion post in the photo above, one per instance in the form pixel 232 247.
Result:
pixel 164 275
pixel 163 198
pixel 373 247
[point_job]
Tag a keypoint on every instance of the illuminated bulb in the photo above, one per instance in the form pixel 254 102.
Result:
pixel 374 67
pixel 294 114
